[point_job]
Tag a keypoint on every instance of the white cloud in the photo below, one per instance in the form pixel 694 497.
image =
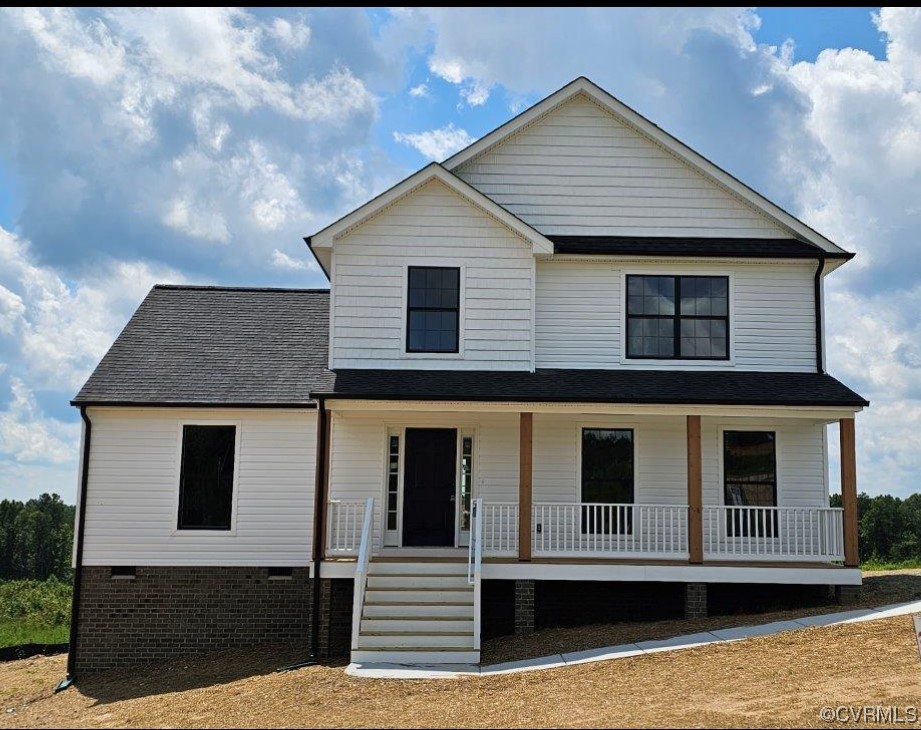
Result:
pixel 420 92
pixel 436 144
pixel 475 93
pixel 294 35
pixel 27 436
pixel 281 260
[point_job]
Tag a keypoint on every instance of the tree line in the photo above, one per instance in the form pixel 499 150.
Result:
pixel 889 528
pixel 36 538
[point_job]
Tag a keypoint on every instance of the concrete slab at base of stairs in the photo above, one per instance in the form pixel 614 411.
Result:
pixel 383 670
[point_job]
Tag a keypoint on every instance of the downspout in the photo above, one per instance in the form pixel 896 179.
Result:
pixel 819 340
pixel 78 560
pixel 319 518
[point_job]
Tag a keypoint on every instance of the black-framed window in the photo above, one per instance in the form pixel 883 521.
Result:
pixel 206 477
pixel 607 477
pixel 433 309
pixel 750 480
pixel 678 317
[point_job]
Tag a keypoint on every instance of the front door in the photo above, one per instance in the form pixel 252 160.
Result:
pixel 430 472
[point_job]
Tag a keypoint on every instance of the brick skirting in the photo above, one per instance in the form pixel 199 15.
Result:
pixel 169 612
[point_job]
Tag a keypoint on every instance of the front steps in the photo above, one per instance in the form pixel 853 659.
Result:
pixel 417 613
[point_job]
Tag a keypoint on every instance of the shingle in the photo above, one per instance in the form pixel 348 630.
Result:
pixel 214 345
pixel 683 246
pixel 599 386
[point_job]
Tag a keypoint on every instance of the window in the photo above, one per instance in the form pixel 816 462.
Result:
pixel 393 482
pixel 678 317
pixel 607 476
pixel 750 480
pixel 433 309
pixel 206 477
pixel 466 480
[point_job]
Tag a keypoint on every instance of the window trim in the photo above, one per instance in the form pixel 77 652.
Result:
pixel 410 309
pixel 436 262
pixel 721 445
pixel 689 363
pixel 198 531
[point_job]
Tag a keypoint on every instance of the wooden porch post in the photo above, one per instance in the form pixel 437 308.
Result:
pixel 849 490
pixel 695 496
pixel 525 450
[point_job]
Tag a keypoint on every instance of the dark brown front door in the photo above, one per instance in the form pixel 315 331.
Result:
pixel 430 470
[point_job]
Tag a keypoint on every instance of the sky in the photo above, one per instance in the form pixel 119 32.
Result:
pixel 165 145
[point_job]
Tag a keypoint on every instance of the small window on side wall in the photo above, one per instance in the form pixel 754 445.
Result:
pixel 433 309
pixel 206 477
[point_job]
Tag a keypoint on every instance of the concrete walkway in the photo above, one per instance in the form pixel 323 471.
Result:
pixel 449 671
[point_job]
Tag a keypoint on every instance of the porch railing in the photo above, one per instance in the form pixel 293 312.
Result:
pixel 361 569
pixel 773 533
pixel 475 566
pixel 584 529
pixel 343 526
pixel 500 528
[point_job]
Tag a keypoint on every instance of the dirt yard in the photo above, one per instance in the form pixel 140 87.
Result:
pixel 775 681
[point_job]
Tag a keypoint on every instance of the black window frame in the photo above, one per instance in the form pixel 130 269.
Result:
pixel 410 309
pixel 229 526
pixel 738 526
pixel 677 318
pixel 589 525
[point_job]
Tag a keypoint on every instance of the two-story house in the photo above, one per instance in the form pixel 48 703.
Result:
pixel 573 373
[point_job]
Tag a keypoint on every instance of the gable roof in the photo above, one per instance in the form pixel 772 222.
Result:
pixel 192 345
pixel 648 129
pixel 325 238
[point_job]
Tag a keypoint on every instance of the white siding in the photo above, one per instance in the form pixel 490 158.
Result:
pixel 579 315
pixel 132 500
pixel 580 170
pixel 432 226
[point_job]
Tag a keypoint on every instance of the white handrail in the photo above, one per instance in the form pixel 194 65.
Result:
pixel 475 566
pixel 343 526
pixel 361 570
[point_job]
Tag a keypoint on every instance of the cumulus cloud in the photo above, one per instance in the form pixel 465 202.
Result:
pixel 419 92
pixel 436 144
pixel 281 260
pixel 27 436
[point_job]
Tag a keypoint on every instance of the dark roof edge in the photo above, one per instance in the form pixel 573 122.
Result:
pixel 187 404
pixel 327 395
pixel 822 255
pixel 307 240
pixel 210 287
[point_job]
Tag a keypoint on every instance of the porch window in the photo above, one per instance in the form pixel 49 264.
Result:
pixel 678 317
pixel 466 480
pixel 433 309
pixel 607 477
pixel 393 482
pixel 750 480
pixel 206 477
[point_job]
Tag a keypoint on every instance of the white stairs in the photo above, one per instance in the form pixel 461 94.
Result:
pixel 417 612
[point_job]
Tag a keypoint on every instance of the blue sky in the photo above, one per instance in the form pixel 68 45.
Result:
pixel 200 145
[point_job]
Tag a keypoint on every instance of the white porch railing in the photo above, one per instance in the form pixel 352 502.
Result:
pixel 500 528
pixel 343 526
pixel 610 530
pixel 773 533
pixel 361 569
pixel 475 565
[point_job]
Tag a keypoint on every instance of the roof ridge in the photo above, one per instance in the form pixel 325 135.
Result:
pixel 212 287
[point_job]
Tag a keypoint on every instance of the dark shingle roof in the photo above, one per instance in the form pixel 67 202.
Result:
pixel 599 386
pixel 214 345
pixel 782 248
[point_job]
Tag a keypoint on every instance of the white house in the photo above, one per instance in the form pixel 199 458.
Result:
pixel 575 356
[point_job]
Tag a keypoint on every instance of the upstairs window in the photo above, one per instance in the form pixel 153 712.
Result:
pixel 678 317
pixel 433 309
pixel 206 477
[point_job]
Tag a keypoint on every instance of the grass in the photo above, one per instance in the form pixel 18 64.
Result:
pixel 34 612
pixel 773 681
pixel 878 565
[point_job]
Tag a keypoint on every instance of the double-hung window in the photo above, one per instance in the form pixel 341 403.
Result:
pixel 206 477
pixel 607 478
pixel 433 309
pixel 678 317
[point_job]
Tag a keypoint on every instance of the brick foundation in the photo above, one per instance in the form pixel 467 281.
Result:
pixel 695 600
pixel 524 607
pixel 847 594
pixel 169 612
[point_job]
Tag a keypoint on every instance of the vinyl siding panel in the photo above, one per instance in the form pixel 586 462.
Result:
pixel 433 226
pixel 132 500
pixel 580 170
pixel 580 319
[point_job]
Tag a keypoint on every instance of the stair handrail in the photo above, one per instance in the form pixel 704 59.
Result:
pixel 475 565
pixel 361 570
